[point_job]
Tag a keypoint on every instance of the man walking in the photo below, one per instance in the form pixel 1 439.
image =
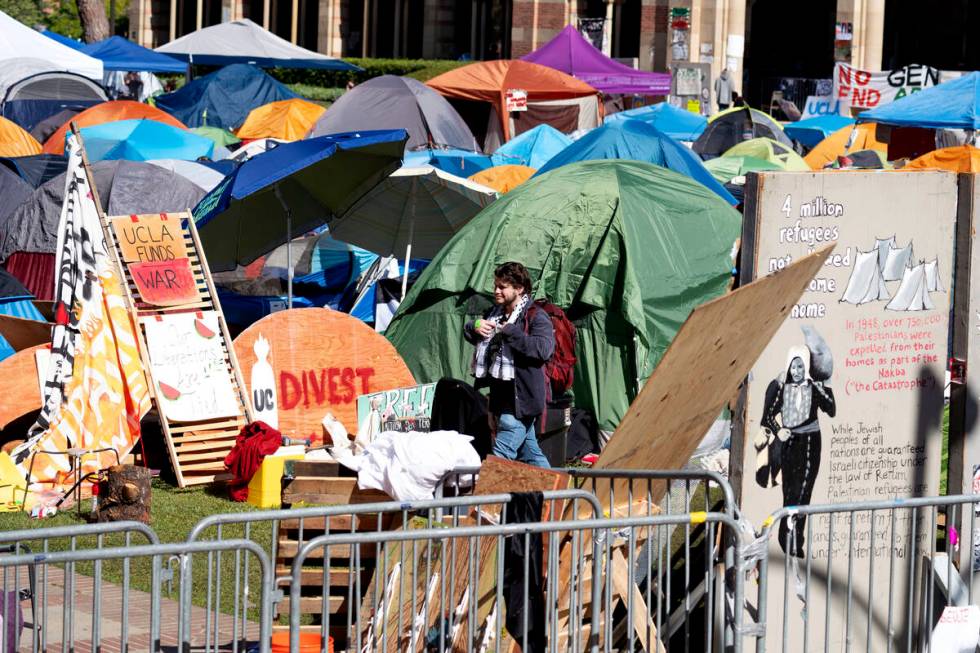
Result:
pixel 513 342
pixel 723 90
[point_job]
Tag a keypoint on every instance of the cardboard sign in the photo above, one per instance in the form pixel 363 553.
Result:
pixel 515 99
pixel 165 283
pixel 864 89
pixel 189 369
pixel 322 361
pixel 149 237
pixel 846 402
pixel 400 409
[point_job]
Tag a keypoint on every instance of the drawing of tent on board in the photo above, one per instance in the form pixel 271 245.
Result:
pixel 913 294
pixel 883 245
pixel 933 282
pixel 866 283
pixel 897 262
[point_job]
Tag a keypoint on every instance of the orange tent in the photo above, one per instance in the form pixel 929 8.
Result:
pixel 503 179
pixel 14 141
pixel 288 120
pixel 835 145
pixel 109 112
pixel 492 81
pixel 962 158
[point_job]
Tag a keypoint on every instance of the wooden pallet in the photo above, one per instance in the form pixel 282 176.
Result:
pixel 337 577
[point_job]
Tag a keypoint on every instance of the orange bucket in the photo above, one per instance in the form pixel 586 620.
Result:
pixel 308 643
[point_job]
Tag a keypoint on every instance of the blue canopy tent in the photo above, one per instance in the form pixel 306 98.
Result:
pixel 143 140
pixel 951 105
pixel 677 123
pixel 533 148
pixel 811 131
pixel 64 40
pixel 15 301
pixel 116 53
pixel 223 98
pixel 461 163
pixel 638 141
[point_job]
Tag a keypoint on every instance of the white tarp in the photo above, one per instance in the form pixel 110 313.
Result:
pixel 912 295
pixel 897 261
pixel 865 284
pixel 18 41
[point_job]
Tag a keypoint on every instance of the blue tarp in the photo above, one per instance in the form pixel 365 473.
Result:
pixel 64 40
pixel 533 148
pixel 143 140
pixel 637 141
pixel 951 105
pixel 461 163
pixel 224 98
pixel 677 123
pixel 116 53
pixel 811 131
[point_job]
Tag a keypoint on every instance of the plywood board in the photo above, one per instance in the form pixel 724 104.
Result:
pixel 19 386
pixel 21 333
pixel 321 361
pixel 701 371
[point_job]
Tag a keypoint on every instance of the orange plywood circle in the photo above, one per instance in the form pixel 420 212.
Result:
pixel 19 386
pixel 321 361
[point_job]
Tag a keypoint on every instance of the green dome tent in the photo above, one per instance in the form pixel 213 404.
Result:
pixel 628 249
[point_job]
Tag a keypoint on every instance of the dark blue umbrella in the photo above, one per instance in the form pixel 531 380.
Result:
pixel 291 190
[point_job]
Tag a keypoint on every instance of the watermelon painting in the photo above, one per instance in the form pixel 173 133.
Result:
pixel 168 391
pixel 203 330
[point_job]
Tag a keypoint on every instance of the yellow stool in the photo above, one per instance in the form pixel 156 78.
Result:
pixel 265 488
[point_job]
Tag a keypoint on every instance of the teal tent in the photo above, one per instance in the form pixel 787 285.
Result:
pixel 533 148
pixel 627 248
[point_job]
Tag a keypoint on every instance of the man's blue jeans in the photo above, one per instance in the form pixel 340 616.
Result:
pixel 515 440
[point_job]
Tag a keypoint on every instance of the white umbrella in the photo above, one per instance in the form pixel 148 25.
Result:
pixel 416 209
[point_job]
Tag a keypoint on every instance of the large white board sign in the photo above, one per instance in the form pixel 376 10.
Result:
pixel 846 402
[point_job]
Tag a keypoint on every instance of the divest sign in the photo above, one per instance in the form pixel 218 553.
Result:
pixel 322 361
pixel 862 89
pixel 846 402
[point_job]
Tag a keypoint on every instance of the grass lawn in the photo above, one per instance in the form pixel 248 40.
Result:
pixel 173 513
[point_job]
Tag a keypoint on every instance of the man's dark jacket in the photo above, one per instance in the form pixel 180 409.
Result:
pixel 532 341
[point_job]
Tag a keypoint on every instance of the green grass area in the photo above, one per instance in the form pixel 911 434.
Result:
pixel 173 513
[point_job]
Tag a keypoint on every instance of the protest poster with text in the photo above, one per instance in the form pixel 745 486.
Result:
pixel 846 402
pixel 863 89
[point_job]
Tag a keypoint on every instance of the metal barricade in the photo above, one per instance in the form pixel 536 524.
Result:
pixel 872 575
pixel 34 588
pixel 147 621
pixel 686 561
pixel 449 588
pixel 312 521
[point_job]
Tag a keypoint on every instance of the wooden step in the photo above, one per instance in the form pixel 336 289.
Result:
pixel 339 576
pixel 313 605
pixel 287 550
pixel 338 524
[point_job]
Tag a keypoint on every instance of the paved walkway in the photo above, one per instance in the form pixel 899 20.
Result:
pixel 110 618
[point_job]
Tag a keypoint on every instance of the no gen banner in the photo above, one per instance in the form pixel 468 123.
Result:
pixel 864 89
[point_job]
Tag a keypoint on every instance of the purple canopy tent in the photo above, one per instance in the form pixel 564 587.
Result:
pixel 570 53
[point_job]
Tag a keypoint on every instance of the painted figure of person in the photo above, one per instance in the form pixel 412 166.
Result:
pixel 792 405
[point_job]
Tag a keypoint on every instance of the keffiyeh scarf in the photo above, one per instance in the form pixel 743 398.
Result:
pixel 493 356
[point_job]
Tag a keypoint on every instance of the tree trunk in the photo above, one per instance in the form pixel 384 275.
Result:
pixel 125 494
pixel 95 23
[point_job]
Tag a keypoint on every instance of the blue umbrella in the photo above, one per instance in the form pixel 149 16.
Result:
pixel 811 131
pixel 291 190
pixel 638 141
pixel 143 140
pixel 461 163
pixel 677 123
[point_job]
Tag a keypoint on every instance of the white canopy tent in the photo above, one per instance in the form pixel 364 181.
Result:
pixel 243 41
pixel 19 42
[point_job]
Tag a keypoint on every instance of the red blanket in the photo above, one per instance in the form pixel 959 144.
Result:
pixel 256 441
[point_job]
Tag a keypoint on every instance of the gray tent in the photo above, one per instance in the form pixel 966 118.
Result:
pixel 13 192
pixel 197 173
pixel 390 102
pixel 125 187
